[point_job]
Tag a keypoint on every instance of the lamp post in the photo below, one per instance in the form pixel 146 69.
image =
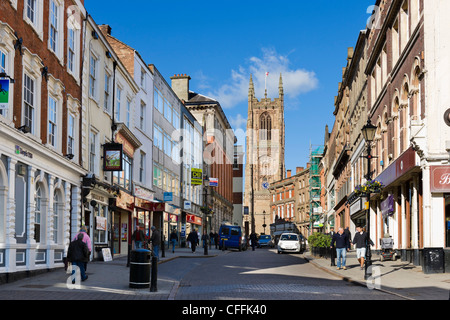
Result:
pixel 368 132
pixel 264 224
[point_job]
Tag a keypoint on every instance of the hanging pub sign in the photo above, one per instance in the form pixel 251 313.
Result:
pixel 112 157
pixel 4 94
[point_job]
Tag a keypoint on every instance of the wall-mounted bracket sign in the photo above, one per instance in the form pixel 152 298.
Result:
pixel 112 157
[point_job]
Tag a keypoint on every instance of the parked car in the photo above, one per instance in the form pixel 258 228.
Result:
pixel 264 241
pixel 291 242
pixel 232 237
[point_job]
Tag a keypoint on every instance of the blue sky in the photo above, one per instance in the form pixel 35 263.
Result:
pixel 219 43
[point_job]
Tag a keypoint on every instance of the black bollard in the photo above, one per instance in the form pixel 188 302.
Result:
pixel 154 279
pixel 205 248
pixel 128 255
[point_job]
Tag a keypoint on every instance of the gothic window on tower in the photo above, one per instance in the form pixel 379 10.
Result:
pixel 265 127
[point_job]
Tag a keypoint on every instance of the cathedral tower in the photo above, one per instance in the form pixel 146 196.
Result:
pixel 265 149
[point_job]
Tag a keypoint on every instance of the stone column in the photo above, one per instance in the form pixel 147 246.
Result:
pixel 10 226
pixel 31 209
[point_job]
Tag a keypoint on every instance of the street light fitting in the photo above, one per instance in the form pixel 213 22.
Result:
pixel 369 131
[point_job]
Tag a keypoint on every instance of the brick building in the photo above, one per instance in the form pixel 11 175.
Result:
pixel 290 201
pixel 40 49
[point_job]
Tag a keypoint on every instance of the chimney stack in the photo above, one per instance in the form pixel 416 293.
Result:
pixel 289 173
pixel 180 85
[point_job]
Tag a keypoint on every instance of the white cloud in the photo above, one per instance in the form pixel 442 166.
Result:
pixel 238 122
pixel 295 81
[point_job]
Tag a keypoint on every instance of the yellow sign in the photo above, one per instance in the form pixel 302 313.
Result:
pixel 366 205
pixel 196 177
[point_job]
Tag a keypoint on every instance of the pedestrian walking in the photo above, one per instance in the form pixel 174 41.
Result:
pixel 77 255
pixel 253 240
pixel 349 237
pixel 87 240
pixel 341 242
pixel 138 237
pixel 333 249
pixel 211 239
pixel 155 239
pixel 361 241
pixel 193 239
pixel 173 239
pixel 216 239
pixel 205 239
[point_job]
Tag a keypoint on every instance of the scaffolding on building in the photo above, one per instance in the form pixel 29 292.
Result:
pixel 315 157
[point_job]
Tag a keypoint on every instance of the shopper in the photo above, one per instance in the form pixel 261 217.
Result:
pixel 155 240
pixel 78 254
pixel 138 237
pixel 341 243
pixel 333 249
pixel 193 239
pixel 87 240
pixel 254 240
pixel 361 240
pixel 205 239
pixel 173 239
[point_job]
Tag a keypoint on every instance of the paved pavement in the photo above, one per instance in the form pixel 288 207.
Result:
pixel 110 280
pixel 107 281
pixel 396 277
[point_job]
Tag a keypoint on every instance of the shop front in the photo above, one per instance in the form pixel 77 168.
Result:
pixel 398 210
pixel 143 199
pixel 40 205
pixel 440 191
pixel 193 222
pixel 124 222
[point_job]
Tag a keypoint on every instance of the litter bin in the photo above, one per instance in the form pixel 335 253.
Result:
pixel 140 268
pixel 433 260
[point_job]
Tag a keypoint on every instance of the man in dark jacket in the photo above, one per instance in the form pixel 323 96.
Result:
pixel 193 239
pixel 155 239
pixel 138 237
pixel 341 243
pixel 361 241
pixel 254 240
pixel 78 255
pixel 333 250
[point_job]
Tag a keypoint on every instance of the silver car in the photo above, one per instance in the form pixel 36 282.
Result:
pixel 290 242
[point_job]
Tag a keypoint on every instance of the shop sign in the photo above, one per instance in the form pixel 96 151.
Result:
pixel 387 206
pixel 406 162
pixel 143 193
pixel 100 223
pixel 213 182
pixel 157 206
pixel 190 218
pixel 127 146
pixel 4 94
pixel 23 152
pixel 196 177
pixel 356 207
pixel 440 179
pixel 187 205
pixel 125 201
pixel 168 196
pixel 172 218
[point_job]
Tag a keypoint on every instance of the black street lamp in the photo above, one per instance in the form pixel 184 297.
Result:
pixel 264 224
pixel 368 131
